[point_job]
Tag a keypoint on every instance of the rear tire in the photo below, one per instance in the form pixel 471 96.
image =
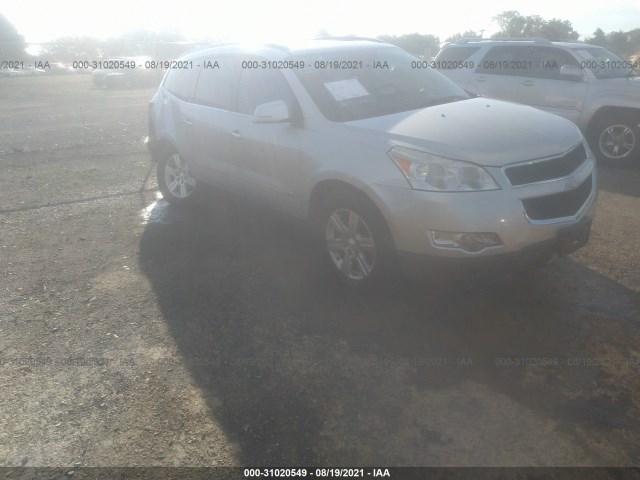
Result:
pixel 615 139
pixel 176 184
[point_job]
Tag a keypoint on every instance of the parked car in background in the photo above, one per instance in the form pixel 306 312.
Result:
pixel 12 72
pixel 388 163
pixel 31 70
pixel 59 68
pixel 129 72
pixel 591 86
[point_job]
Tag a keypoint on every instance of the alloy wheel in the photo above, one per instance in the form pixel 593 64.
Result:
pixel 177 177
pixel 350 244
pixel 617 141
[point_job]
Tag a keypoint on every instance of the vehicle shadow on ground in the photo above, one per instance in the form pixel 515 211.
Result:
pixel 247 288
pixel 624 181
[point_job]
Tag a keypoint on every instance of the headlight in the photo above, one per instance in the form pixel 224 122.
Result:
pixel 429 172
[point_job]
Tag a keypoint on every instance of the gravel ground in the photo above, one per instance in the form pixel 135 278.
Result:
pixel 135 334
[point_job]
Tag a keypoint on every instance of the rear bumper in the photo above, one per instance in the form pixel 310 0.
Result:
pixel 567 240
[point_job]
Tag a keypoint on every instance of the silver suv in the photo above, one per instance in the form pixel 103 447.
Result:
pixel 387 161
pixel 589 85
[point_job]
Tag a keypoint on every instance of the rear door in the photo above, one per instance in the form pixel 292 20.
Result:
pixel 545 88
pixel 454 62
pixel 213 103
pixel 500 71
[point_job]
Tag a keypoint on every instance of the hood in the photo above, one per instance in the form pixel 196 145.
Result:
pixel 623 92
pixel 622 82
pixel 479 130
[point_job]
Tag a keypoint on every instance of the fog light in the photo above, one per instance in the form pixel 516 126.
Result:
pixel 469 242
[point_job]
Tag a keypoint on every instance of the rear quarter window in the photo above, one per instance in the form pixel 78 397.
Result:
pixel 454 57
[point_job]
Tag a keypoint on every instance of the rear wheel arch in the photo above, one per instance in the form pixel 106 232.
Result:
pixel 622 119
pixel 175 181
pixel 607 111
pixel 161 148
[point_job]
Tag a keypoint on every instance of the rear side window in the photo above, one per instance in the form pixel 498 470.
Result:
pixel 217 82
pixel 181 82
pixel 506 60
pixel 258 86
pixel 452 57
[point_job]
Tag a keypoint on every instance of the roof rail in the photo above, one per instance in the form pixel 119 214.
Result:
pixel 277 46
pixel 505 39
pixel 350 38
pixel 214 44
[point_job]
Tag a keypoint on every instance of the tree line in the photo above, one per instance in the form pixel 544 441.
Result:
pixel 511 24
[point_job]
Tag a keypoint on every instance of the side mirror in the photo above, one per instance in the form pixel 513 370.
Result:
pixel 272 112
pixel 571 72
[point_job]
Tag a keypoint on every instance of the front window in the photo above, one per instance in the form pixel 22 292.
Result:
pixel 605 64
pixel 354 84
pixel 259 86
pixel 547 62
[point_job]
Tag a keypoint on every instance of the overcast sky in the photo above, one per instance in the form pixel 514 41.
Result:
pixel 282 20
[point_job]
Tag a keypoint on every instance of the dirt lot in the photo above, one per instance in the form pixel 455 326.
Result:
pixel 134 334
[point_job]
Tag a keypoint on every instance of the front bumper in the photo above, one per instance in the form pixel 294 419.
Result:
pixel 566 241
pixel 413 215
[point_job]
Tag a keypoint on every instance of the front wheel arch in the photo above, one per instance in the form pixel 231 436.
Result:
pixel 341 198
pixel 326 188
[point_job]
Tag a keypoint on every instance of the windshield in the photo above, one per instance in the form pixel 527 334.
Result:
pixel 605 64
pixel 357 83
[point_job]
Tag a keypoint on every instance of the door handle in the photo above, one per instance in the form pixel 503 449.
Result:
pixel 528 83
pixel 481 79
pixel 235 134
pixel 186 121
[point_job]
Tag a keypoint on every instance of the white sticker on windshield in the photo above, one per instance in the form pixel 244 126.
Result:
pixel 346 89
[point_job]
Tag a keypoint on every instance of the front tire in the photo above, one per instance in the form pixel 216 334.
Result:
pixel 356 241
pixel 615 139
pixel 175 181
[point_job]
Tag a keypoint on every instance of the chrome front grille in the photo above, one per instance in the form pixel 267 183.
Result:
pixel 541 170
pixel 558 205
